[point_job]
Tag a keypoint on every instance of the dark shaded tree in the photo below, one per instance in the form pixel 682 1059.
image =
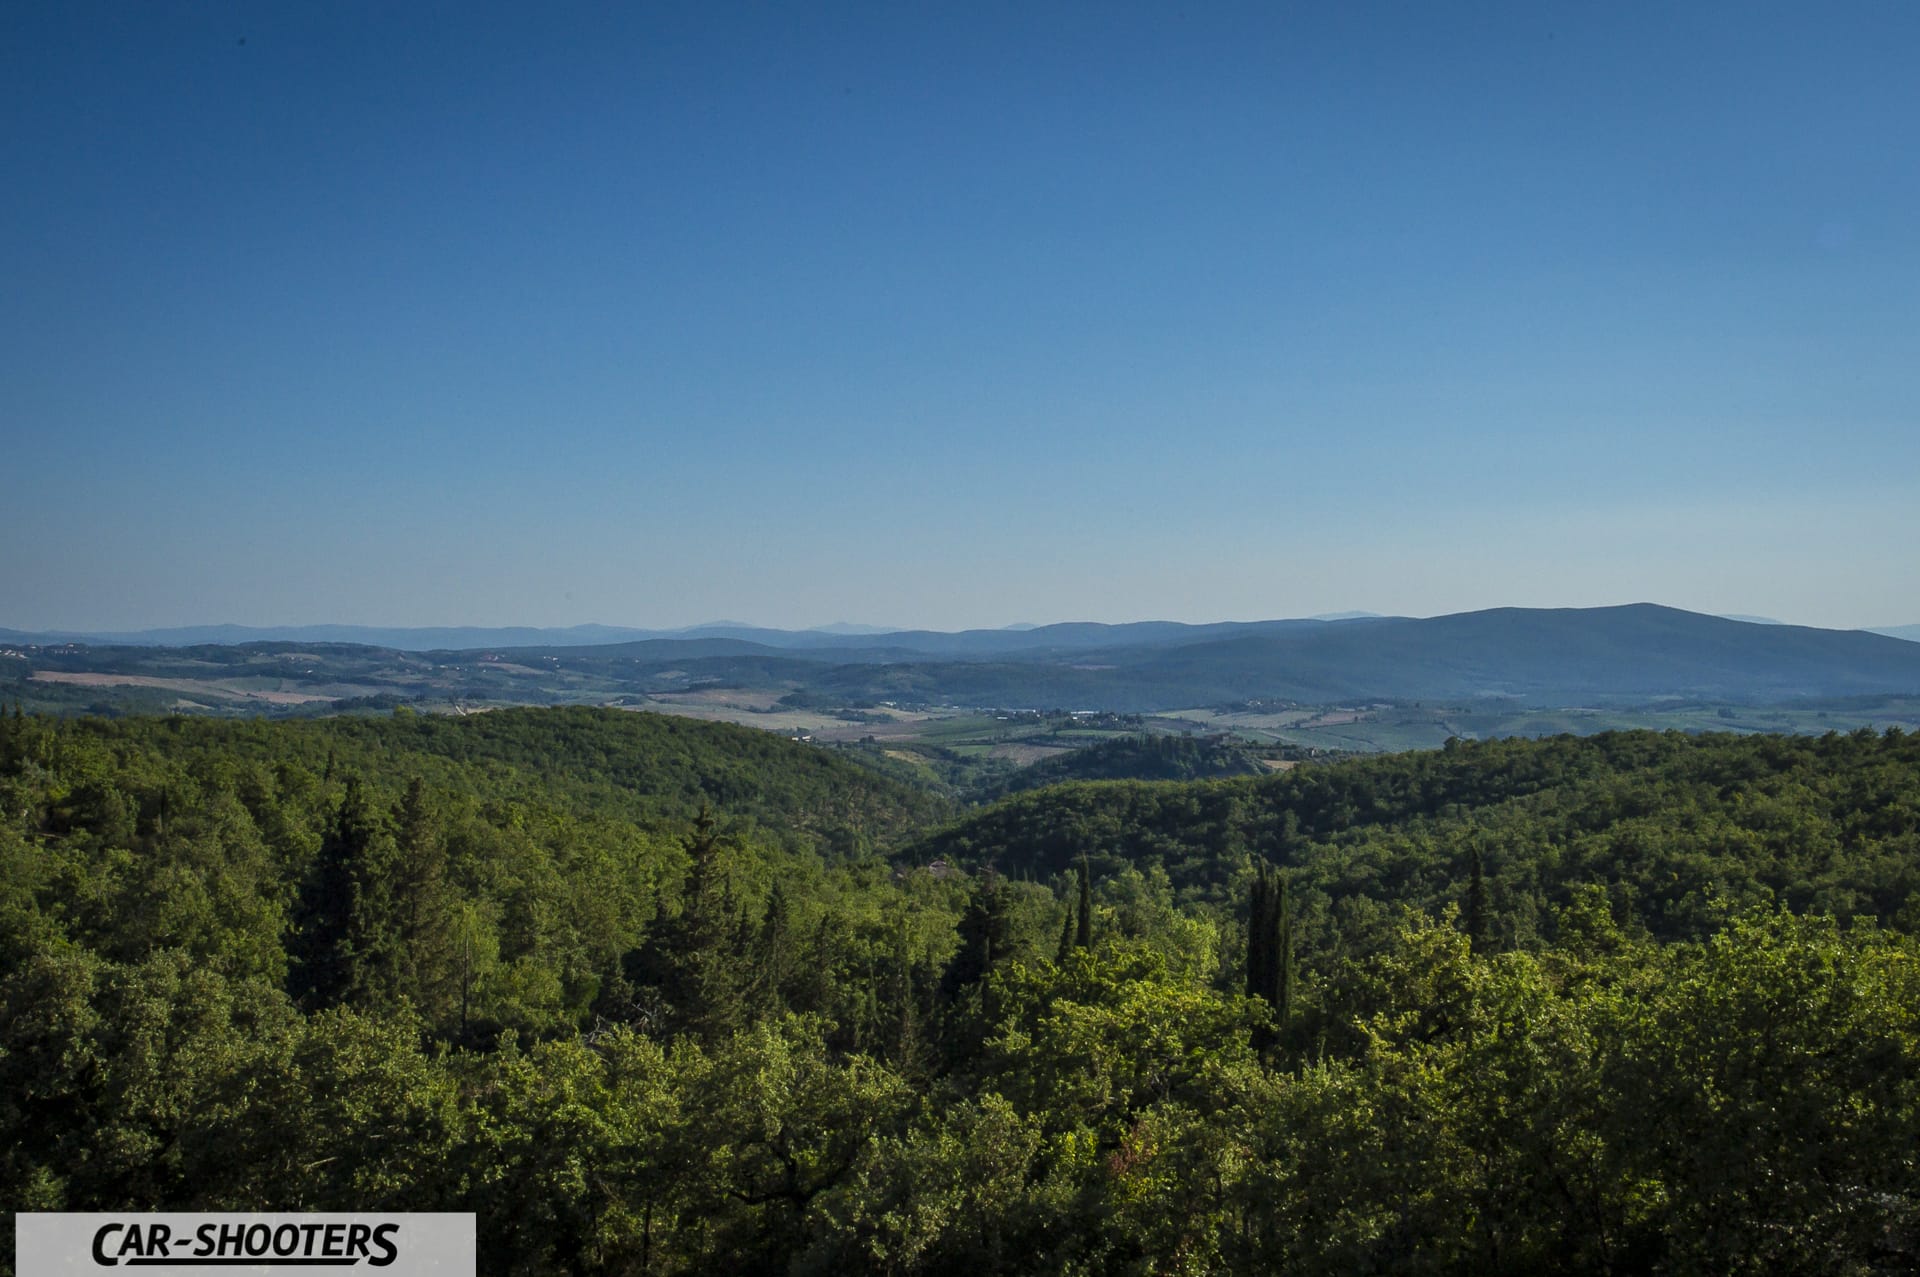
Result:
pixel 697 960
pixel 985 934
pixel 1083 915
pixel 340 947
pixel 1270 955
pixel 1477 901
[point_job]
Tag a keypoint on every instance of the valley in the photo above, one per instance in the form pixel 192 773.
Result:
pixel 974 704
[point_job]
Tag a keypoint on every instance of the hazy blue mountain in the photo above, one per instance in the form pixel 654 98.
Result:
pixel 1640 650
pixel 1909 632
pixel 887 646
pixel 404 639
pixel 858 643
pixel 1554 655
pixel 676 651
pixel 39 637
pixel 1037 642
pixel 435 638
pixel 849 627
pixel 1558 657
pixel 1635 653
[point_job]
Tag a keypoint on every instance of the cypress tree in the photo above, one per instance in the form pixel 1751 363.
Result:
pixel 1283 962
pixel 772 953
pixel 906 1053
pixel 423 904
pixel 1270 953
pixel 1477 903
pixel 1083 928
pixel 1259 911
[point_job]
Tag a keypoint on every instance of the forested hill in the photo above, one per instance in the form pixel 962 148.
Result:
pixel 1558 656
pixel 625 990
pixel 649 769
pixel 1134 758
pixel 1681 828
pixel 489 872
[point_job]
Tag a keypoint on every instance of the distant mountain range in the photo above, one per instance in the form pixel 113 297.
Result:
pixel 442 638
pixel 844 636
pixel 400 639
pixel 840 637
pixel 1555 655
pixel 1617 655
pixel 1637 654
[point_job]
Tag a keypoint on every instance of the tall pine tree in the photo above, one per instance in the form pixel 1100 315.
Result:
pixel 1270 955
pixel 985 934
pixel 1477 902
pixel 425 908
pixel 340 946
pixel 697 960
pixel 1083 918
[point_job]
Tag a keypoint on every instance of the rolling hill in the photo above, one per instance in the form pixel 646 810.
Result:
pixel 1634 654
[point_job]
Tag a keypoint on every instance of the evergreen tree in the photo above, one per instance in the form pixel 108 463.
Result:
pixel 1283 976
pixel 772 954
pixel 696 959
pixel 376 920
pixel 1076 930
pixel 424 908
pixel 339 941
pixel 1477 902
pixel 1270 954
pixel 1083 931
pixel 906 1054
pixel 984 933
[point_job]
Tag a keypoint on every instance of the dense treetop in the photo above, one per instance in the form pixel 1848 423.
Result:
pixel 647 996
pixel 1163 757
pixel 1679 828
pixel 645 768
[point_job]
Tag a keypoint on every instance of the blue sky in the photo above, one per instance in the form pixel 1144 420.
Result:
pixel 955 316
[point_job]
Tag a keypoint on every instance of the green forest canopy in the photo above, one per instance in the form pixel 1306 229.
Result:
pixel 654 995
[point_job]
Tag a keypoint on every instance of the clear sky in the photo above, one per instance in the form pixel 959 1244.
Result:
pixel 955 315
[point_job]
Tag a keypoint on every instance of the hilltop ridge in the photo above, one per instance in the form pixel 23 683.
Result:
pixel 1629 654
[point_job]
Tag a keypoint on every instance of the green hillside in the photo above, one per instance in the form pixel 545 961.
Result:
pixel 650 769
pixel 1133 758
pixel 646 995
pixel 1680 828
